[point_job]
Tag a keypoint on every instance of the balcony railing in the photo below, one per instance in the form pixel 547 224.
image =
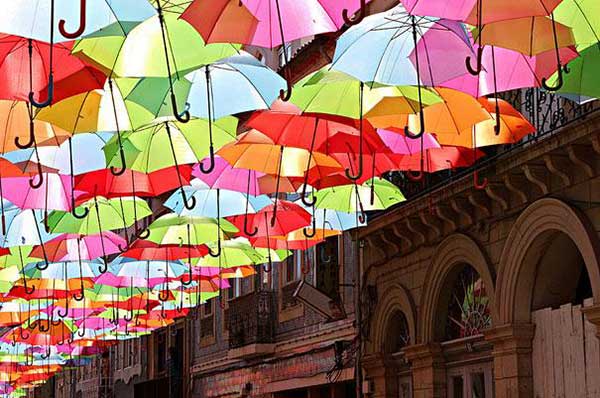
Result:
pixel 251 319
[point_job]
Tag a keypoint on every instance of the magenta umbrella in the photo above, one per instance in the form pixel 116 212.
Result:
pixel 73 247
pixel 225 176
pixel 402 145
pixel 513 71
pixel 54 192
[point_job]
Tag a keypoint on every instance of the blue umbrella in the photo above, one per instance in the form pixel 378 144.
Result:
pixel 31 18
pixel 237 84
pixel 229 203
pixel 23 227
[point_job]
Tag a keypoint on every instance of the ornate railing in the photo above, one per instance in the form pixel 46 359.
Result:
pixel 251 319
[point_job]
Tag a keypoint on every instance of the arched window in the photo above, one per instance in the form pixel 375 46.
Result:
pixel 468 310
pixel 397 333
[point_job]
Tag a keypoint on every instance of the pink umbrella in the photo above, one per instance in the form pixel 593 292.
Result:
pixel 513 71
pixel 402 145
pixel 72 247
pixel 54 192
pixel 225 176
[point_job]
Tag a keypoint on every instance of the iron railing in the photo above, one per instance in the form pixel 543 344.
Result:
pixel 251 319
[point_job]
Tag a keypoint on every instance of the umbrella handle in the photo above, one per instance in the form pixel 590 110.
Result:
pixel 21 330
pixel 192 202
pixel 360 170
pixel 81 329
pixel 42 267
pixel 351 21
pixel 308 203
pixel 29 143
pixel 421 127
pixel 248 233
pixel 128 318
pixel 184 116
pixel 104 267
pixel 28 291
pixel 285 95
pixel 477 69
pixel 40 175
pixel 118 172
pixel 48 100
pixel 62 315
pixel 323 258
pixel 79 296
pixel 314 227
pixel 46 355
pixel 44 328
pixel 82 22
pixel 211 166
pixel 559 68
pixel 163 295
pixel 122 249
pixel 216 254
pixel 476 183
pixel 143 234
pixel 415 177
pixel 86 211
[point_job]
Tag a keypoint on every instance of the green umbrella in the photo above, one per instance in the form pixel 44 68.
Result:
pixel 146 149
pixel 104 215
pixel 374 194
pixel 583 77
pixel 234 254
pixel 583 17
pixel 172 229
pixel 137 50
pixel 335 93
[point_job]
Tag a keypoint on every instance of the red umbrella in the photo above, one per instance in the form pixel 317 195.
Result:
pixel 437 159
pixel 131 183
pixel 146 250
pixel 289 217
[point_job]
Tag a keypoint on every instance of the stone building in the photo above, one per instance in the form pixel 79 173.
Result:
pixel 494 291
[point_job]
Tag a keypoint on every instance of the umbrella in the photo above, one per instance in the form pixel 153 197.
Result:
pixel 72 247
pixel 582 16
pixel 357 198
pixel 583 78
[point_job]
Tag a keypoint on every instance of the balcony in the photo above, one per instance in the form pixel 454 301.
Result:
pixel 251 324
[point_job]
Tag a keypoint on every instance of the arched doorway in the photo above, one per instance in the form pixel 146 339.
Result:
pixel 548 273
pixel 397 337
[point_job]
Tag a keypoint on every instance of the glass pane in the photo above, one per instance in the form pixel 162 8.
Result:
pixel 478 385
pixel 457 387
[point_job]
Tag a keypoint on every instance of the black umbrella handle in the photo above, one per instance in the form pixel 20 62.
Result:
pixel 358 17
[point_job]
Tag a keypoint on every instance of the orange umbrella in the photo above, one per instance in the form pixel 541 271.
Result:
pixel 530 36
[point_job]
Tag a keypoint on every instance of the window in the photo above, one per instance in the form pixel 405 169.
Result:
pixel 293 267
pixel 471 381
pixel 235 289
pixel 327 274
pixel 207 308
pixel 160 349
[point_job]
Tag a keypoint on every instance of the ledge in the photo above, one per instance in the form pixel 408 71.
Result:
pixel 251 350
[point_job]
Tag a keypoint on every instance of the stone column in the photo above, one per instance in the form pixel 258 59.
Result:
pixel 513 370
pixel 381 371
pixel 428 370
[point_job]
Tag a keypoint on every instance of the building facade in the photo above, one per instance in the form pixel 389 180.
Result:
pixel 495 290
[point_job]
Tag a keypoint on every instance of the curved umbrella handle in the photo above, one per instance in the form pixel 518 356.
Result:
pixel 79 296
pixel 40 175
pixel 303 197
pixel 216 254
pixel 351 21
pixel 82 23
pixel 184 116
pixel 188 204
pixel 104 266
pixel 117 172
pixel 81 331
pixel 559 68
pixel 478 67
pixel 28 291
pixel 414 177
pixel 86 211
pixel 421 127
pixel 163 295
pixel 143 234
pixel 48 100
pixel 61 314
pixel 211 166
pixel 249 233
pixel 31 141
pixel 359 174
pixel 324 259
pixel 21 330
pixel 128 317
pixel 42 267
pixel 559 82
pixel 46 355
pixel 285 95
pixel 123 249
pixel 476 183
pixel 310 234
pixel 44 328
